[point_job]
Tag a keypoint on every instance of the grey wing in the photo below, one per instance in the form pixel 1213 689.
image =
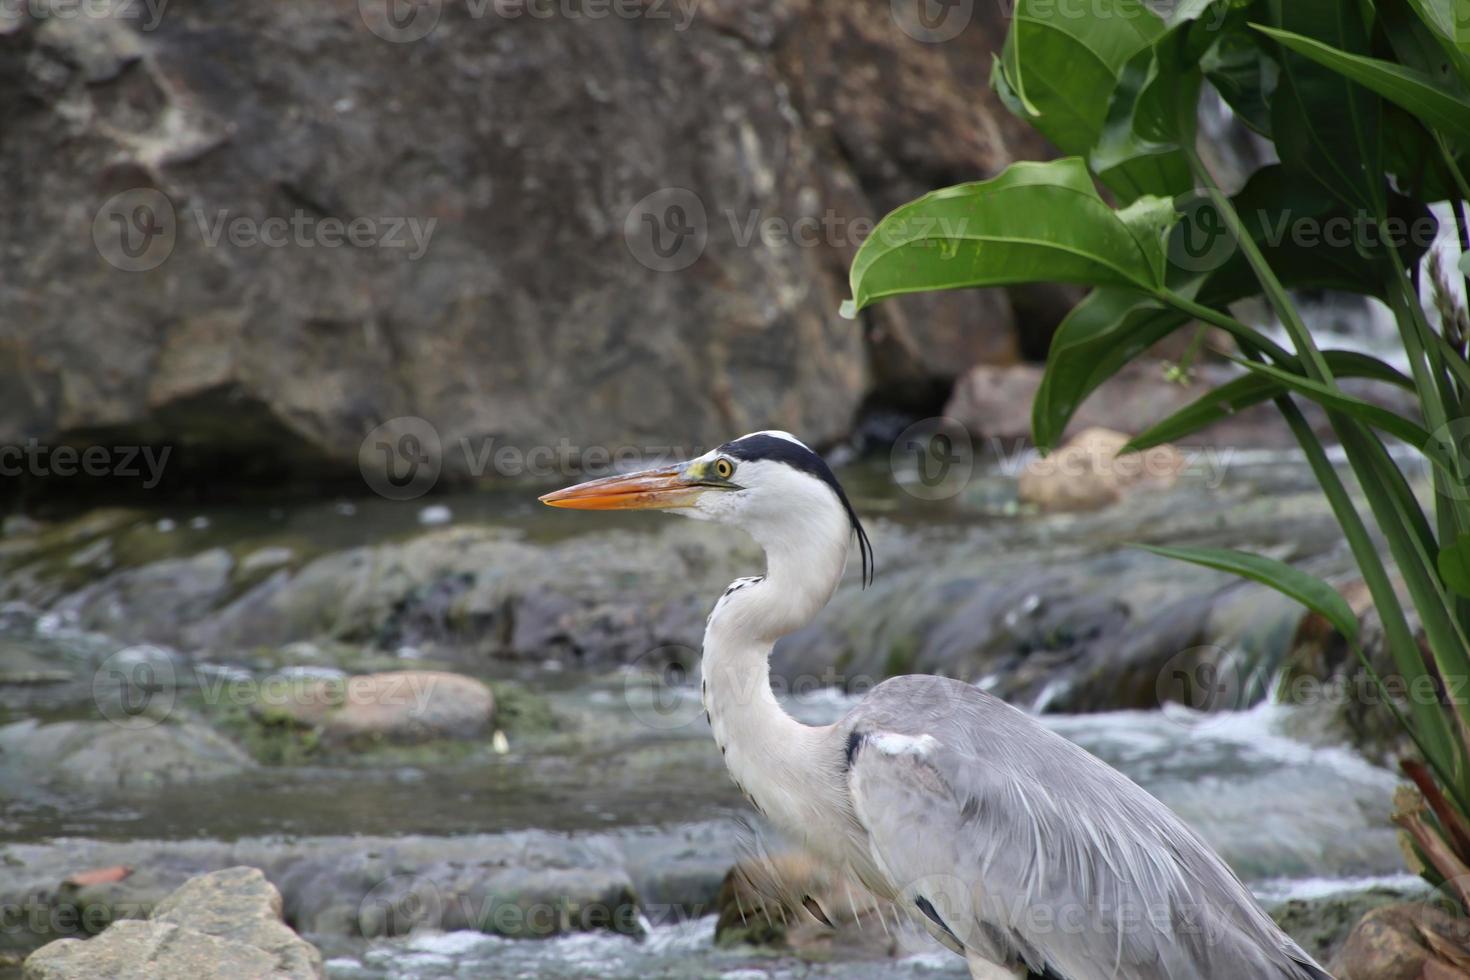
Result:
pixel 1018 845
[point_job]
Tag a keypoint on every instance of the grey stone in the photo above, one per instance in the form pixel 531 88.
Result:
pixel 225 925
pixel 101 755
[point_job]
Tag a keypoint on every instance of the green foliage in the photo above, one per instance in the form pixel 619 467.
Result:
pixel 1367 103
pixel 1309 590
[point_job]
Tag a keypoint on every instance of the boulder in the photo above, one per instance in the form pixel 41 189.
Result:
pixel 224 925
pixel 279 266
pixel 133 755
pixel 1408 941
pixel 397 706
pixel 1087 473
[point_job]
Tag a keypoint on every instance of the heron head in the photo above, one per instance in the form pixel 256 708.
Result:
pixel 769 484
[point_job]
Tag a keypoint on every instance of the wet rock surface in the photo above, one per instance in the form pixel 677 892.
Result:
pixel 565 786
pixel 1406 942
pixel 1087 472
pixel 397 706
pixel 783 126
pixel 104 755
pixel 225 925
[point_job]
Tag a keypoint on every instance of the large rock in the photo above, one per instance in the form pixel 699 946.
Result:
pixel 135 755
pixel 1088 473
pixel 224 925
pixel 504 284
pixel 398 706
pixel 1410 941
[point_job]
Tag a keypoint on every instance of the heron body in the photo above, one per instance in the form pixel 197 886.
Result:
pixel 1010 845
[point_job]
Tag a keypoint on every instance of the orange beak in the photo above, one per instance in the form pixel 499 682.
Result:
pixel 662 488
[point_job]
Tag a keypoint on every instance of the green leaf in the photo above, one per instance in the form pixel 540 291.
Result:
pixel 1446 18
pixel 1036 222
pixel 1252 389
pixel 1454 565
pixel 1415 44
pixel 1111 327
pixel 1243 74
pixel 1309 590
pixel 1324 124
pixel 1150 115
pixel 1366 412
pixel 1106 330
pixel 1060 65
pixel 1276 206
pixel 1402 86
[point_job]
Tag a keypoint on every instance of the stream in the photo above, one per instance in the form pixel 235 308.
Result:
pixel 629 779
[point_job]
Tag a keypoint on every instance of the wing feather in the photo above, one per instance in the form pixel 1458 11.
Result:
pixel 1029 848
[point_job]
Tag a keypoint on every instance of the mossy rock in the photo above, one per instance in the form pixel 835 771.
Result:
pixel 276 738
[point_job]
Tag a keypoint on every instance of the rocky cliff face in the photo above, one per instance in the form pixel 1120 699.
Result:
pixel 257 232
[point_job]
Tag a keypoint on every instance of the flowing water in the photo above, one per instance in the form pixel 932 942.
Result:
pixel 1296 813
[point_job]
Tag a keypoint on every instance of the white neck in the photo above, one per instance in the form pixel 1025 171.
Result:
pixel 773 757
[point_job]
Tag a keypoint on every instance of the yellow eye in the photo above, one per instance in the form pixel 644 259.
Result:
pixel 724 469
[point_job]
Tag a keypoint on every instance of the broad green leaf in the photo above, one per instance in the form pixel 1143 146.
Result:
pixel 1454 566
pixel 1294 583
pixel 1310 240
pixel 1109 328
pixel 1241 393
pixel 1059 67
pixel 1405 87
pixel 1324 124
pixel 1143 125
pixel 1036 222
pixel 1366 412
pixel 1243 74
pixel 1417 45
pixel 1447 19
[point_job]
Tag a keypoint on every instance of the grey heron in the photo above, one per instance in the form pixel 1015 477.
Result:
pixel 1009 844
